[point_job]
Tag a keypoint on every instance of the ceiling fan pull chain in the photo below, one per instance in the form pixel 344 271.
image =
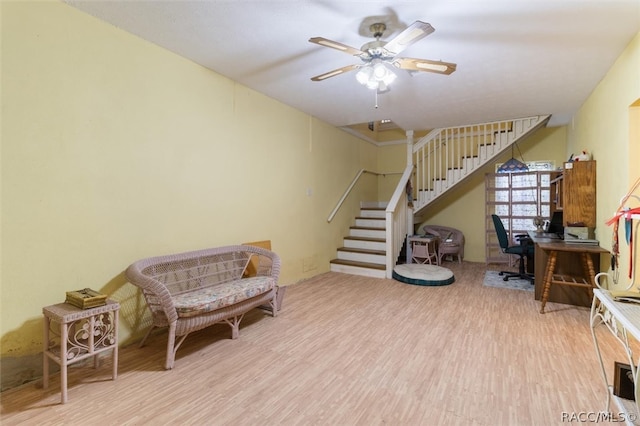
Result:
pixel 376 91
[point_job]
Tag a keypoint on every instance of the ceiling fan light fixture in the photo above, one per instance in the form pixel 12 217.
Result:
pixel 379 71
pixel 389 77
pixel 364 75
pixel 375 75
pixel 373 84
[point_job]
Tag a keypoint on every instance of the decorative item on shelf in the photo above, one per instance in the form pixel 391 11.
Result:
pixel 582 156
pixel 86 298
pixel 538 223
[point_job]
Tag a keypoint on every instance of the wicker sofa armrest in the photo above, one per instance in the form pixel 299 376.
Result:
pixel 269 263
pixel 156 293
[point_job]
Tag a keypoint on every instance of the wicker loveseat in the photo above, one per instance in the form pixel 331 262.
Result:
pixel 451 241
pixel 189 291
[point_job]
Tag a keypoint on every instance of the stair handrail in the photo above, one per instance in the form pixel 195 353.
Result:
pixel 399 218
pixel 353 183
pixel 400 189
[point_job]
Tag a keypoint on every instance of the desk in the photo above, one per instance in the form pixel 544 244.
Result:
pixel 622 320
pixel 571 266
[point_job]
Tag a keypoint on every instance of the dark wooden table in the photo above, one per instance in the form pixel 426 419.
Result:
pixel 564 272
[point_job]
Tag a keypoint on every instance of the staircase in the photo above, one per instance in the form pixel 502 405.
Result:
pixel 442 159
pixel 364 249
pixel 445 157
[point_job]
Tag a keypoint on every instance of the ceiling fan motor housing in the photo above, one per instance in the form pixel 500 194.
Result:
pixel 378 29
pixel 375 50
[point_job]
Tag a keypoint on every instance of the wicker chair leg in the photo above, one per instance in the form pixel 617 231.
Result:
pixel 234 323
pixel 274 304
pixel 171 353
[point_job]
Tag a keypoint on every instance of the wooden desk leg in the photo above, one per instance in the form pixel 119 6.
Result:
pixel 45 357
pixel 548 277
pixel 589 269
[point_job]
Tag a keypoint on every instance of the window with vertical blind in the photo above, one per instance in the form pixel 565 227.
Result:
pixel 516 198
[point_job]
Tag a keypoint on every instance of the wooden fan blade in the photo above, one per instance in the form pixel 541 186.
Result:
pixel 335 45
pixel 334 73
pixel 413 64
pixel 410 35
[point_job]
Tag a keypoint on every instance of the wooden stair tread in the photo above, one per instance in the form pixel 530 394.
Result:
pixel 358 264
pixel 364 251
pixel 370 239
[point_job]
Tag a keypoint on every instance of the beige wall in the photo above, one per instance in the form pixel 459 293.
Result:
pixel 464 206
pixel 114 149
pixel 603 127
pixel 392 159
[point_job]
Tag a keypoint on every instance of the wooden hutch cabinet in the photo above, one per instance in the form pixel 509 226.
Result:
pixel 579 193
pixel 573 191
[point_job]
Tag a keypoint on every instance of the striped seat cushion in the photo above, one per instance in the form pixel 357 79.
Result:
pixel 218 296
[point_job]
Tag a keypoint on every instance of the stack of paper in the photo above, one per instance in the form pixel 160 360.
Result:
pixel 570 240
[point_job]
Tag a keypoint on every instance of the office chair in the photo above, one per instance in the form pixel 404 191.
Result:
pixel 525 248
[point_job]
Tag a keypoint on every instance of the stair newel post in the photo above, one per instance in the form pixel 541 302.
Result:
pixel 409 134
pixel 411 206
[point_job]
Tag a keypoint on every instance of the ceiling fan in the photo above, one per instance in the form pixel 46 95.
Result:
pixel 378 57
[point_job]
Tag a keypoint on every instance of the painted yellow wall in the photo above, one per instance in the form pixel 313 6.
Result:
pixel 464 206
pixel 602 126
pixel 391 159
pixel 114 149
pixel 634 141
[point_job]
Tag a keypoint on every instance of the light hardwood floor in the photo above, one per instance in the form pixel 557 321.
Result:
pixel 348 350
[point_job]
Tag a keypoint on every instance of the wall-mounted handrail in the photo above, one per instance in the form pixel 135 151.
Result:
pixel 353 183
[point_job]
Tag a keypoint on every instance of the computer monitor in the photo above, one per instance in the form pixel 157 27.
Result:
pixel 556 226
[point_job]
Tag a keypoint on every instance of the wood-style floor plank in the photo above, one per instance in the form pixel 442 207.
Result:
pixel 348 350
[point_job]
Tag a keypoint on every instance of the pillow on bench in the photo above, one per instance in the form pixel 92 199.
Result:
pixel 209 299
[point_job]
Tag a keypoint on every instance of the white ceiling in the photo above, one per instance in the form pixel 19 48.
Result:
pixel 515 58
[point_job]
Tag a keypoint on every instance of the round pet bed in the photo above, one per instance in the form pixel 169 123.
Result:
pixel 423 274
